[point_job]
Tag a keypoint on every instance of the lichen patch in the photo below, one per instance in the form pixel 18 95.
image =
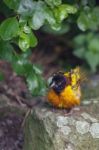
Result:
pixel 82 127
pixel 86 102
pixel 65 130
pixel 62 121
pixel 94 130
pixel 69 147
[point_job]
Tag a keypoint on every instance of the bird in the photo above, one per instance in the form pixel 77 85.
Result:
pixel 65 89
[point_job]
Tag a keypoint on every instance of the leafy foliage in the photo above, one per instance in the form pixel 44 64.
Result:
pixel 29 15
pixel 32 73
pixel 6 51
pixel 89 19
pixel 23 17
pixel 87 47
pixel 9 28
pixel 26 40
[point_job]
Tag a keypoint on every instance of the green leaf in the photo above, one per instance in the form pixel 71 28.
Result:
pixel 37 69
pixel 26 29
pixel 26 54
pixel 6 51
pixel 24 42
pixel 79 40
pixel 83 21
pixel 21 65
pixel 9 28
pixel 95 17
pixel 60 14
pixel 33 83
pixel 38 16
pixel 27 40
pixel 27 7
pixel 22 21
pixel 32 39
pixel 56 27
pixel 37 20
pixel 22 69
pixel 49 16
pixel 32 74
pixel 36 84
pixel 18 65
pixel 42 86
pixel 80 52
pixel 53 3
pixel 62 11
pixel 89 19
pixel 92 59
pixel 89 37
pixel 13 4
pixel 64 29
pixel 87 48
pixel 69 8
pixel 94 45
pixel 19 68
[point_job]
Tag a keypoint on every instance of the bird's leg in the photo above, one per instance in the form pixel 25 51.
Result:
pixel 68 111
pixel 53 109
pixel 71 111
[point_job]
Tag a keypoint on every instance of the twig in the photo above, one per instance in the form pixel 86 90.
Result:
pixel 26 115
pixel 19 99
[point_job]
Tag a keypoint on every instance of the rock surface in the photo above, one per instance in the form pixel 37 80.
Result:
pixel 48 129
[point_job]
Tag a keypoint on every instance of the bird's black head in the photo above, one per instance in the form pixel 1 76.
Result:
pixel 58 82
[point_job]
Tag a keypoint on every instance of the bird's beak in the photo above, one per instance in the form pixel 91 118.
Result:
pixel 52 84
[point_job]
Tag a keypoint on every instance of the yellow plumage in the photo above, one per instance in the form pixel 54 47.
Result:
pixel 71 94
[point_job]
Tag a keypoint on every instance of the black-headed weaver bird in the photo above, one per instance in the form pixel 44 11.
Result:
pixel 65 90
